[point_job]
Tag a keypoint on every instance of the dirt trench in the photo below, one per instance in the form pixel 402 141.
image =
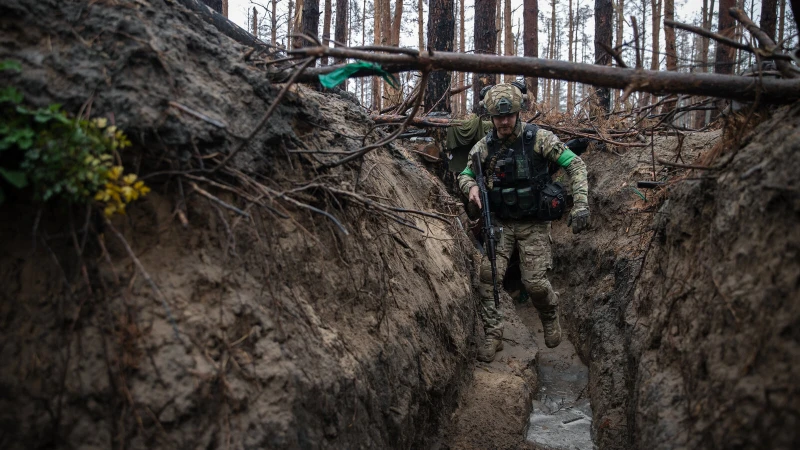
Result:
pixel 269 329
pixel 685 306
pixel 286 333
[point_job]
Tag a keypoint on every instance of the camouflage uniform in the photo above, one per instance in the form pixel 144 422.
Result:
pixel 531 235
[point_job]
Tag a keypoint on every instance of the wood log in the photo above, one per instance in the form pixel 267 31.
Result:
pixel 416 121
pixel 222 24
pixel 656 82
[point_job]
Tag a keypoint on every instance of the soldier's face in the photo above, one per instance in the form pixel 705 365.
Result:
pixel 504 124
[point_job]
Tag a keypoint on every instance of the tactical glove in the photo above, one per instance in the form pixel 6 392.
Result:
pixel 579 219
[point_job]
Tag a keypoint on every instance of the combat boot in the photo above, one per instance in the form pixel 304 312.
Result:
pixel 551 325
pixel 491 345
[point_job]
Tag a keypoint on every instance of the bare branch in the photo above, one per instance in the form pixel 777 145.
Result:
pixel 656 82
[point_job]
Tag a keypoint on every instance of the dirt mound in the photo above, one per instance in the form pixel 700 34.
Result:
pixel 279 331
pixel 684 306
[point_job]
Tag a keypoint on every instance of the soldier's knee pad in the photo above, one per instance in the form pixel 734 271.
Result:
pixel 537 291
pixel 485 274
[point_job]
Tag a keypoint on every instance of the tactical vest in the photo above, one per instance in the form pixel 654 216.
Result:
pixel 521 186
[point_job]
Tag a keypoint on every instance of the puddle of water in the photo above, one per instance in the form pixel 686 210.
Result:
pixel 562 416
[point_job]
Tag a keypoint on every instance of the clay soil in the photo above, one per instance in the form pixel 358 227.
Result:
pixel 278 329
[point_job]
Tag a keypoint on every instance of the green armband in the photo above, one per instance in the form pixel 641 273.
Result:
pixel 566 157
pixel 468 172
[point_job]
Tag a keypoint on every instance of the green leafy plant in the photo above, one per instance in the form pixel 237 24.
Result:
pixel 62 157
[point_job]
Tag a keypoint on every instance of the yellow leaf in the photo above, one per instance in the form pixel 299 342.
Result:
pixel 115 172
pixel 129 178
pixel 127 193
pixel 144 190
pixel 101 122
pixel 109 210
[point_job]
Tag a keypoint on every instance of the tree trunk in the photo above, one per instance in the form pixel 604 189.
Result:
pixel 297 24
pixel 254 22
pixel 421 21
pixel 570 58
pixel 485 42
pixel 363 41
pixel 669 36
pixel 273 23
pixel 462 77
pixel 310 20
pixel 376 82
pixel 508 49
pixel 326 28
pixel 289 21
pixel 619 12
pixel 603 30
pixel 724 55
pixel 441 28
pixel 655 62
pixel 551 84
pixel 782 21
pixel 530 42
pixel 397 23
pixel 342 16
pixel 389 94
pixel 498 28
pixel 769 13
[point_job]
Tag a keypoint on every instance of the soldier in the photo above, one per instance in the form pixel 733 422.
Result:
pixel 523 199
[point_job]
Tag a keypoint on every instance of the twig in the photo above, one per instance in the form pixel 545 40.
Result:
pixel 765 41
pixel 364 150
pixel 267 114
pixel 197 114
pixel 614 54
pixel 205 194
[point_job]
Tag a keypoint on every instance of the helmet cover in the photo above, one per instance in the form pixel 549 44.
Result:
pixel 503 99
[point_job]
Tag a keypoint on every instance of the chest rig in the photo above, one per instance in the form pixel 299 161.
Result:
pixel 519 178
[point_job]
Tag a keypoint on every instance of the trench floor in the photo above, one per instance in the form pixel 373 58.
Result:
pixel 561 417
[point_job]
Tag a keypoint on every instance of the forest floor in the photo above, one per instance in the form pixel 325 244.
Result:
pixel 334 307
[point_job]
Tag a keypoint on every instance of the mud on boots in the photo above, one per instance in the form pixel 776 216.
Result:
pixel 515 161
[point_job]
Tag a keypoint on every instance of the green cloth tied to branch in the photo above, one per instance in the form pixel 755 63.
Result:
pixel 336 77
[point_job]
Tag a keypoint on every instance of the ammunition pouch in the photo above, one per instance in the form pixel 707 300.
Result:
pixel 526 202
pixel 552 202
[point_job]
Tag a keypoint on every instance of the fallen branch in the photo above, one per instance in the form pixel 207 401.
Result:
pixel 222 24
pixel 657 82
pixel 683 166
pixel 765 41
pixel 717 37
pixel 416 121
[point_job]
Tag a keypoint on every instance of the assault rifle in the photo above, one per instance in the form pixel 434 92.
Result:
pixel 489 239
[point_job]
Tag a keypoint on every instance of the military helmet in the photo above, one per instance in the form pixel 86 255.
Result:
pixel 503 99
